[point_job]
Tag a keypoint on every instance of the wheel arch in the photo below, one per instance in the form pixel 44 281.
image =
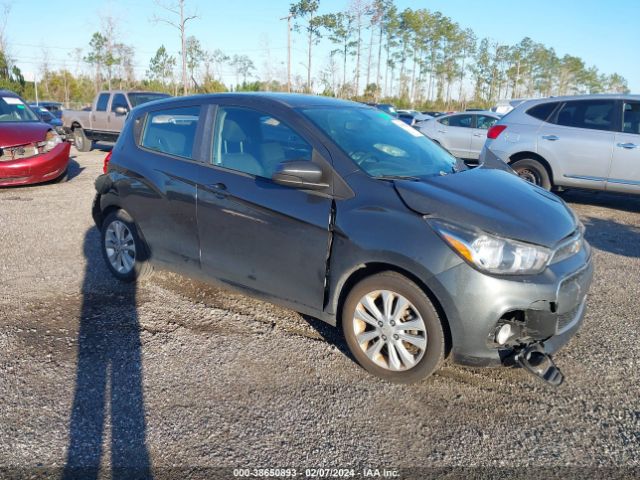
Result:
pixel 368 269
pixel 110 208
pixel 533 156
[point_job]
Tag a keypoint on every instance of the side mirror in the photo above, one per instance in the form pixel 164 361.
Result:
pixel 299 174
pixel 121 111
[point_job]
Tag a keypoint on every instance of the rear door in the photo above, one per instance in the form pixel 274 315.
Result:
pixel 625 166
pixel 578 142
pixel 254 232
pixel 160 190
pixel 100 112
pixel 454 133
pixel 115 121
pixel 482 124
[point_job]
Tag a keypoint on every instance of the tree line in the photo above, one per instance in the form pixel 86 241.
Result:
pixel 411 57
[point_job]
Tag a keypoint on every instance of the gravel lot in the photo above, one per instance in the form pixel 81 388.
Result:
pixel 181 375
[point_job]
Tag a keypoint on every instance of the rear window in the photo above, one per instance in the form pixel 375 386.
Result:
pixel 591 114
pixel 542 111
pixel 171 131
pixel 463 121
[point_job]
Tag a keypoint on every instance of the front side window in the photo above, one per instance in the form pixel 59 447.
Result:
pixel 103 100
pixel 631 118
pixel 253 142
pixel 119 100
pixel 464 121
pixel 381 145
pixel 171 131
pixel 485 122
pixel 591 114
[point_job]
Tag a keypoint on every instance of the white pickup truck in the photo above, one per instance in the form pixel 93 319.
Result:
pixel 105 119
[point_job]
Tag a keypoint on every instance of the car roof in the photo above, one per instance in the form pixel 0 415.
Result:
pixel 472 112
pixel 8 93
pixel 292 100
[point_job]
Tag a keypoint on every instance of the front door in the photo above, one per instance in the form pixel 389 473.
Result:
pixel 115 121
pixel 254 232
pixel 625 165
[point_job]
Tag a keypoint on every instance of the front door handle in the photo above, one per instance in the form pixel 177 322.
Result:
pixel 551 138
pixel 628 146
pixel 442 131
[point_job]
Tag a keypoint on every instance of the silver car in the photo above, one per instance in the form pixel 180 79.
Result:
pixel 589 141
pixel 463 134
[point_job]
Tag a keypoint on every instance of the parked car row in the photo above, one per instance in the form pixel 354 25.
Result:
pixel 462 134
pixel 590 142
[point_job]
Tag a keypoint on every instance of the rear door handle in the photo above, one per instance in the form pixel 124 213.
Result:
pixel 628 146
pixel 479 134
pixel 551 138
pixel 442 131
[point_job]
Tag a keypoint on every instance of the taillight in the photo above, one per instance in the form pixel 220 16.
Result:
pixel 495 131
pixel 107 159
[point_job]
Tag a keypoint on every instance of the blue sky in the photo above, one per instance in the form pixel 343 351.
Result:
pixel 604 34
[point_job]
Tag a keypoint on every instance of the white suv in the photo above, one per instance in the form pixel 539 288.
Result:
pixel 590 141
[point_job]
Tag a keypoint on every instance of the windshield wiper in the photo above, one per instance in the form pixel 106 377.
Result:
pixel 398 177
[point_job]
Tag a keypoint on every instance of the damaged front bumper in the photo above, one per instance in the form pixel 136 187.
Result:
pixel 542 312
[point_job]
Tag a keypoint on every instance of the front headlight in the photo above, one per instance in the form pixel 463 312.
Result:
pixel 51 140
pixel 493 254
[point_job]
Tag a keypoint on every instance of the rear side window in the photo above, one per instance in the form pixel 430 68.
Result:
pixel 631 118
pixel 542 111
pixel 485 122
pixel 103 100
pixel 591 114
pixel 463 121
pixel 171 131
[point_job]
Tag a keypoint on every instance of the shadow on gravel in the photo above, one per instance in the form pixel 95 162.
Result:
pixel 74 169
pixel 330 335
pixel 109 377
pixel 613 237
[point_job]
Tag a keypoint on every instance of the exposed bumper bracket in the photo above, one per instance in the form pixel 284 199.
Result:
pixel 536 361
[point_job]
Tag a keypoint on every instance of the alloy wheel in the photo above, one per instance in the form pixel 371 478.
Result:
pixel 120 247
pixel 390 330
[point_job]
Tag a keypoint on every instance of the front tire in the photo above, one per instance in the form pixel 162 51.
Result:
pixel 122 248
pixel 393 329
pixel 82 143
pixel 532 171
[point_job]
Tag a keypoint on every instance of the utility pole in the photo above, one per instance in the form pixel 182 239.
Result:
pixel 288 19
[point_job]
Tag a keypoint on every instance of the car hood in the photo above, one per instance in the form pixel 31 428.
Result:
pixel 493 200
pixel 20 133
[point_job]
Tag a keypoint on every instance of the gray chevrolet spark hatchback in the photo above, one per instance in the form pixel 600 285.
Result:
pixel 344 213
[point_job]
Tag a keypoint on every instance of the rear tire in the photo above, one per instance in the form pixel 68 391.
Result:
pixel 533 171
pixel 124 252
pixel 82 143
pixel 412 337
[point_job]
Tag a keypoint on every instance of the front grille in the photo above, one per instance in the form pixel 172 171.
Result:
pixel 20 152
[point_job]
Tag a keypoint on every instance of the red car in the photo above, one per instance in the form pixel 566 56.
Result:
pixel 30 151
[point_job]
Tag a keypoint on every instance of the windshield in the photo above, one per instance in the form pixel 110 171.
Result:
pixel 381 145
pixel 140 98
pixel 12 109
